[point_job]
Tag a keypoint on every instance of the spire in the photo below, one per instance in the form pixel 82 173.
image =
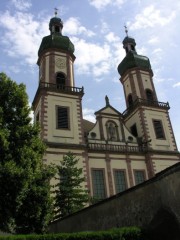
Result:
pixel 56 24
pixel 56 11
pixel 132 59
pixel 56 39
pixel 129 42
pixel 126 30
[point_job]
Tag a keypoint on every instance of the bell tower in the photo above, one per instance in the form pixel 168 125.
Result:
pixel 57 103
pixel 146 117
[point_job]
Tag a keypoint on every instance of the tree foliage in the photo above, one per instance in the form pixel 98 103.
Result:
pixel 25 201
pixel 70 196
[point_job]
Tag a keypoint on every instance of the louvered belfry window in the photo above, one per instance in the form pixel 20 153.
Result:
pixel 62 117
pixel 158 128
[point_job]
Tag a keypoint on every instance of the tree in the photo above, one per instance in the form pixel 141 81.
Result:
pixel 70 196
pixel 25 201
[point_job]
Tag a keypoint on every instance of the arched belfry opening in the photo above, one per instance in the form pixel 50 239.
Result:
pixel 60 80
pixel 57 29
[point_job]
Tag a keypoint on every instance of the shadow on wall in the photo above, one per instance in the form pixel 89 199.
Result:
pixel 164 226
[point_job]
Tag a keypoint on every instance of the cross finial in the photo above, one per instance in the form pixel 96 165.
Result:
pixel 55 11
pixel 126 30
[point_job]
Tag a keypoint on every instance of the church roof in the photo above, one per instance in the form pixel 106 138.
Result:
pixel 56 41
pixel 129 39
pixel 106 108
pixel 87 125
pixel 132 60
pixel 54 21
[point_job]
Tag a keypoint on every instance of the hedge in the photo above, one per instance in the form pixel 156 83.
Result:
pixel 126 233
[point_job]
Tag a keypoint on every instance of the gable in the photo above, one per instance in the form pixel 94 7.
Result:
pixel 108 110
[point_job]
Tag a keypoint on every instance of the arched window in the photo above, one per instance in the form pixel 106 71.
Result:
pixel 149 95
pixel 130 100
pixel 112 131
pixel 57 29
pixel 132 47
pixel 60 80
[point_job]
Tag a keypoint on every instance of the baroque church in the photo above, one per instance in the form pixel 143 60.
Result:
pixel 120 150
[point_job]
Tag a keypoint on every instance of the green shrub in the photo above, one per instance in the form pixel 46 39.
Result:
pixel 126 233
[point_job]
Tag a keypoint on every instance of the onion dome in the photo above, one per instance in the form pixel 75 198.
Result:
pixel 132 59
pixel 56 39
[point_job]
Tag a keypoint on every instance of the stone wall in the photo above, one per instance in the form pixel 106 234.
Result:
pixel 154 203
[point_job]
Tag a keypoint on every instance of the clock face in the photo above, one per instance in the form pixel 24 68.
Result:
pixel 60 63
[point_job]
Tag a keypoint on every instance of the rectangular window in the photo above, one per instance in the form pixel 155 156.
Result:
pixel 139 176
pixel 120 180
pixel 62 117
pixel 158 128
pixel 99 191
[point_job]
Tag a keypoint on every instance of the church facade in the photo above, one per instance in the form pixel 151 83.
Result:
pixel 120 150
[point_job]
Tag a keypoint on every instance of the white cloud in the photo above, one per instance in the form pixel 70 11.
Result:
pixel 153 40
pixel 157 59
pixel 159 80
pixel 92 58
pixel 21 4
pixel 100 4
pixel 14 69
pixel 176 84
pixel 73 27
pixel 157 51
pixel 152 17
pixel 116 80
pixel 101 69
pixel 111 37
pixel 104 27
pixel 88 114
pixel 98 79
pixel 142 51
pixel 22 35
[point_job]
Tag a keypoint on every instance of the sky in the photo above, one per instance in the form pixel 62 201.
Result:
pixel 96 28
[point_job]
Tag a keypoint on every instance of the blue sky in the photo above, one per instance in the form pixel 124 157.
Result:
pixel 96 27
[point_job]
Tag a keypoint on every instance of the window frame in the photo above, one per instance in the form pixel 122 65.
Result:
pixel 149 95
pixel 67 119
pixel 162 137
pixel 104 183
pixel 144 175
pixel 125 179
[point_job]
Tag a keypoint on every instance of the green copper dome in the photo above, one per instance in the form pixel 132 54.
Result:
pixel 56 39
pixel 133 60
pixel 55 21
